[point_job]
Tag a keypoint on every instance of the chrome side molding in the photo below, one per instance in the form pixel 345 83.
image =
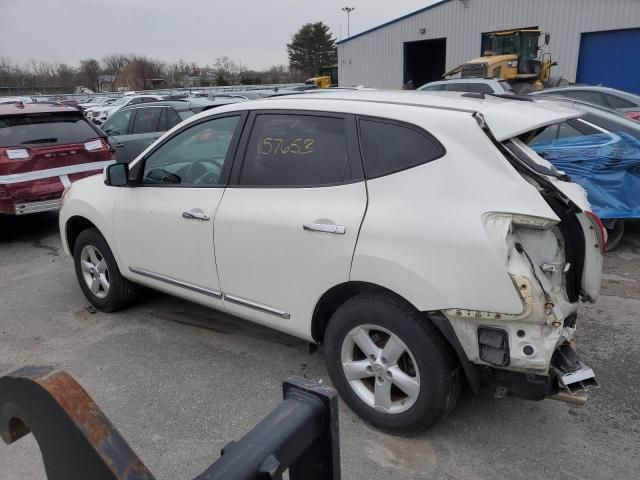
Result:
pixel 256 306
pixel 177 283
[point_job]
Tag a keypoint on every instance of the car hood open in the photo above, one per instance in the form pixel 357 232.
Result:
pixel 506 122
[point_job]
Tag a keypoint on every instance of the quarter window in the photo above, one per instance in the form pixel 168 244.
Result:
pixel 389 147
pixel 194 157
pixel 296 150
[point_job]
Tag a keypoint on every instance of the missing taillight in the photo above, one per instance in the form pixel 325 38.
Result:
pixel 598 226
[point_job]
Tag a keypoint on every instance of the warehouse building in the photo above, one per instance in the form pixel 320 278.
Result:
pixel 593 41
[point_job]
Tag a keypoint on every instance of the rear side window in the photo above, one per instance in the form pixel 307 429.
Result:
pixel 391 147
pixel 50 129
pixel 618 102
pixel 146 120
pixel 296 150
pixel 588 96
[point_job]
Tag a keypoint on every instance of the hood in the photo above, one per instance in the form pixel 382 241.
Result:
pixel 511 118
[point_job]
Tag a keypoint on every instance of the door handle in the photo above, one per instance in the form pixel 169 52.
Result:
pixel 119 145
pixel 196 216
pixel 323 227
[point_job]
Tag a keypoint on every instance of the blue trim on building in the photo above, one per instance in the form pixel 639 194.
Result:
pixel 396 20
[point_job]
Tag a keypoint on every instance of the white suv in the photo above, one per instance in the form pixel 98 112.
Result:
pixel 415 235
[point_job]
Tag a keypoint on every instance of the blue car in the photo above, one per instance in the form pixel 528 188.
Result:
pixel 601 152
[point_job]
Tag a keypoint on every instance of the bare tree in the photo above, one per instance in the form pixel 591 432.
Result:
pixel 114 63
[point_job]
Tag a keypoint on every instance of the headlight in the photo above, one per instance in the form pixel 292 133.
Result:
pixel 512 64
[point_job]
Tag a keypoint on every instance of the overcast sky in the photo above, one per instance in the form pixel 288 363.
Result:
pixel 254 32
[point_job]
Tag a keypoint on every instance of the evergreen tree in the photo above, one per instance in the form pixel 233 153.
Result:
pixel 311 48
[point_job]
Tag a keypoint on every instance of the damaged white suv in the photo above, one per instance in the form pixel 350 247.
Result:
pixel 416 236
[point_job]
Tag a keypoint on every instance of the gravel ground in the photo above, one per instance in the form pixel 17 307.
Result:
pixel 180 381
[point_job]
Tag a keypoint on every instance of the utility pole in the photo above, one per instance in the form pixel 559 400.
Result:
pixel 348 10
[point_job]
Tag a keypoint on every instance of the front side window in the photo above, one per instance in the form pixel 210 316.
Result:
pixel 194 157
pixel 296 150
pixel 117 125
pixel 147 120
pixel 390 147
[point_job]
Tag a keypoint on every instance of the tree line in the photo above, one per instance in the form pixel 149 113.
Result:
pixel 46 77
pixel 311 48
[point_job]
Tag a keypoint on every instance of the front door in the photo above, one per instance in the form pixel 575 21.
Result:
pixel 287 226
pixel 164 225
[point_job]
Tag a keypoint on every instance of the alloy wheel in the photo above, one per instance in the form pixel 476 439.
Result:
pixel 380 369
pixel 94 271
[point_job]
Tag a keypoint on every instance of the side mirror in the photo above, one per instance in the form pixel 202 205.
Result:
pixel 116 175
pixel 547 38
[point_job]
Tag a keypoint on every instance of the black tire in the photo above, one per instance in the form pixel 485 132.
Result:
pixel 121 292
pixel 614 235
pixel 439 370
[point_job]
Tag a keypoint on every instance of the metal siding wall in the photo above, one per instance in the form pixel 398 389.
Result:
pixel 377 57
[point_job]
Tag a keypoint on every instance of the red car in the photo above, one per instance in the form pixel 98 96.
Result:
pixel 43 148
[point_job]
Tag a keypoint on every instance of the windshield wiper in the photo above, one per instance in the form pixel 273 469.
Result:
pixel 40 140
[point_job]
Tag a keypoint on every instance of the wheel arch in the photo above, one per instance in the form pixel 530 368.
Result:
pixel 333 298
pixel 74 226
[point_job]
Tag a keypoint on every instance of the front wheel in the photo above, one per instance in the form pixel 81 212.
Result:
pixel 98 273
pixel 390 364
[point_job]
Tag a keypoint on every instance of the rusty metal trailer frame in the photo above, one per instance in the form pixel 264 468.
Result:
pixel 77 440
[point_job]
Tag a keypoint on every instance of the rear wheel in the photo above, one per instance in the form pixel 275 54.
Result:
pixel 390 365
pixel 614 235
pixel 98 273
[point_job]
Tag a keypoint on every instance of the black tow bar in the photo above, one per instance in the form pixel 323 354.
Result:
pixel 77 440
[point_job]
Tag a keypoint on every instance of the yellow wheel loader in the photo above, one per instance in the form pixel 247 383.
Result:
pixel 516 56
pixel 328 78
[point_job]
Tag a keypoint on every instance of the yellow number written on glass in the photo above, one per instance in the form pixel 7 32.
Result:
pixel 282 146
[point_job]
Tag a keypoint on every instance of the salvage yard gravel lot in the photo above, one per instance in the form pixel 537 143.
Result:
pixel 180 381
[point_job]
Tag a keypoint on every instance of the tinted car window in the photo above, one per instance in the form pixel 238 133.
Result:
pixel 146 120
pixel 172 118
pixel 194 157
pixel 469 87
pixel 618 102
pixel 586 96
pixel 296 150
pixel 117 125
pixel 49 129
pixel 433 88
pixel 389 147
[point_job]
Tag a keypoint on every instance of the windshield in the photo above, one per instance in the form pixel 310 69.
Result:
pixel 121 101
pixel 41 130
pixel 524 44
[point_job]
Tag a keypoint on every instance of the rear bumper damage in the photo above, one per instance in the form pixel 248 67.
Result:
pixel 569 380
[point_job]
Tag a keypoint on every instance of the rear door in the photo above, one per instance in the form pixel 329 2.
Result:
pixel 286 228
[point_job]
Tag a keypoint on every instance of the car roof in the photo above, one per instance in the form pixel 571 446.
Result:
pixel 506 116
pixel 177 104
pixel 33 108
pixel 594 88
pixel 463 80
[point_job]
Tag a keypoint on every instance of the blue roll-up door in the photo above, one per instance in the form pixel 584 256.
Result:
pixel 610 58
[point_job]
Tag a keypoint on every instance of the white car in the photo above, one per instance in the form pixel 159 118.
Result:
pixel 475 85
pixel 100 114
pixel 412 234
pixel 96 102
